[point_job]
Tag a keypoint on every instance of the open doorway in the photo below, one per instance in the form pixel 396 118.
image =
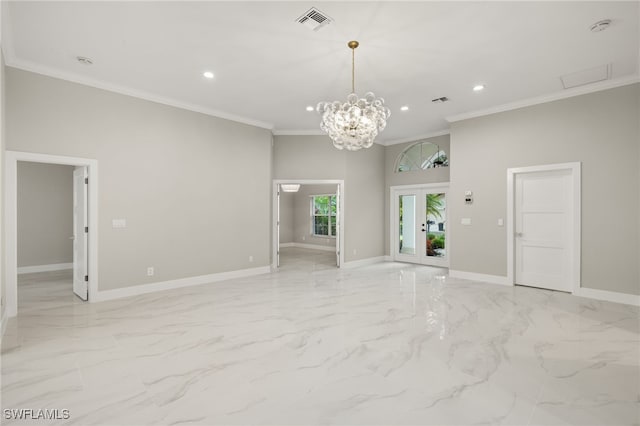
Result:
pixel 38 239
pixel 307 226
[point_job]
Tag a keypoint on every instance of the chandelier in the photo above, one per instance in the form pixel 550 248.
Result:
pixel 356 123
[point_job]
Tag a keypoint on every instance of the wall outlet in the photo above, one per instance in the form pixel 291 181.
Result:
pixel 150 271
pixel 119 223
pixel 250 258
pixel 303 238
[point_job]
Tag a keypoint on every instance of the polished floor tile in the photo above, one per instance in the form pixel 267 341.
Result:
pixel 387 344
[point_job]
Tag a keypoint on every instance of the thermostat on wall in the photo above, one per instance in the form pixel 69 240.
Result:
pixel 468 197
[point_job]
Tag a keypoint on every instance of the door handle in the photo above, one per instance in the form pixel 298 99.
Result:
pixel 423 230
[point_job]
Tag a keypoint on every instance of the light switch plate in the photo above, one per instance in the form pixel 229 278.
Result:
pixel 465 221
pixel 119 223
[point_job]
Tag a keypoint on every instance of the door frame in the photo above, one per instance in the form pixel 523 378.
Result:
pixel 11 219
pixel 575 239
pixel 393 238
pixel 274 215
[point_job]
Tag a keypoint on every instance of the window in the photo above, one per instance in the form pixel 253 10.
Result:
pixel 422 156
pixel 323 215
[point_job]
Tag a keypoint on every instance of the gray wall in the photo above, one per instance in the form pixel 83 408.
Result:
pixel 190 211
pixel 434 175
pixel 45 214
pixel 314 157
pixel 600 130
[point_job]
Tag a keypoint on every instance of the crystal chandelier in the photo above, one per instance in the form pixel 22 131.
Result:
pixel 356 123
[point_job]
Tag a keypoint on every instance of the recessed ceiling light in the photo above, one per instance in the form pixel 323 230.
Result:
pixel 207 74
pixel 478 87
pixel 404 108
pixel 310 108
pixel 84 60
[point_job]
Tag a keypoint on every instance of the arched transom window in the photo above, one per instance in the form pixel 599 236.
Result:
pixel 421 156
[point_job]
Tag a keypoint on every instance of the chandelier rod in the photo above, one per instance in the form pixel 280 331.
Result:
pixel 352 45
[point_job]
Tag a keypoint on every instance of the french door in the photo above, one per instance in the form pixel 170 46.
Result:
pixel 419 233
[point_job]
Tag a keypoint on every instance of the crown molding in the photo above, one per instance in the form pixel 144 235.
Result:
pixel 284 132
pixel 416 138
pixel 568 93
pixel 13 62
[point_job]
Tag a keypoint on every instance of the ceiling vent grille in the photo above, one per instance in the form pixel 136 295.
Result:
pixel 314 19
pixel 440 100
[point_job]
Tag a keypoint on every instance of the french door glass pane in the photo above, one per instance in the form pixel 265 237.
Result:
pixel 436 224
pixel 407 224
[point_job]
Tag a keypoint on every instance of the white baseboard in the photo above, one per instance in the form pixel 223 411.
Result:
pixel 179 283
pixel 363 262
pixel 309 246
pixel 609 296
pixel 492 279
pixel 388 258
pixel 44 268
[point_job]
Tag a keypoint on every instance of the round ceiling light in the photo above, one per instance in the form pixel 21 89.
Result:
pixel 478 87
pixel 404 108
pixel 208 74
pixel 600 26
pixel 310 108
pixel 84 60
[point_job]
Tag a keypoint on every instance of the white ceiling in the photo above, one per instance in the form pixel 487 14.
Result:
pixel 268 67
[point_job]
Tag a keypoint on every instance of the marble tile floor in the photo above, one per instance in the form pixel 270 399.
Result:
pixel 387 344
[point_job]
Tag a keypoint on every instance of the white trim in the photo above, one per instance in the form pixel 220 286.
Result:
pixel 609 296
pixel 567 93
pixel 14 62
pixel 421 186
pixel 284 245
pixel 485 278
pixel 575 169
pixel 312 132
pixel 363 262
pixel 416 138
pixel 136 290
pixel 388 258
pixel 44 268
pixel 274 229
pixel 11 219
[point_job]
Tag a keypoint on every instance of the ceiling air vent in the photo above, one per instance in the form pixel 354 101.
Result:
pixel 314 19
pixel 592 75
pixel 440 100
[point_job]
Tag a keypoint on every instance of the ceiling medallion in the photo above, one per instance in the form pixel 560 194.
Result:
pixel 354 124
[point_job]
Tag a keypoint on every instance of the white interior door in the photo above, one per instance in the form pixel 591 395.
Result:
pixel 278 226
pixel 543 229
pixel 338 226
pixel 80 233
pixel 420 226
